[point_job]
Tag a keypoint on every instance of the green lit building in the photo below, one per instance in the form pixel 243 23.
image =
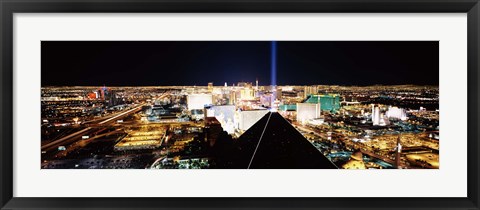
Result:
pixel 329 102
pixel 287 107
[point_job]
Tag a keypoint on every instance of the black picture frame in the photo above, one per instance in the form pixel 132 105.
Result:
pixel 9 7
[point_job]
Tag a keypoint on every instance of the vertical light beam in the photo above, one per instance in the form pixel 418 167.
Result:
pixel 273 73
pixel 273 63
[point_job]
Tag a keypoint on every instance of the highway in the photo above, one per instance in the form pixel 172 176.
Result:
pixel 83 142
pixel 104 119
pixel 384 159
pixel 77 135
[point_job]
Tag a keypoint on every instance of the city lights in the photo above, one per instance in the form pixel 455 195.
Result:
pixel 259 111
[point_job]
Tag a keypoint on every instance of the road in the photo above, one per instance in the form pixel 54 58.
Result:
pixel 84 142
pixel 384 159
pixel 77 135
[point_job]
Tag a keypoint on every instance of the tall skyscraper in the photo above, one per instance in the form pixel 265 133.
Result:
pixel 308 111
pixel 376 114
pixel 103 92
pixel 397 113
pixel 198 101
pixel 329 102
pixel 112 98
pixel 233 97
pixel 245 119
pixel 210 87
pixel 398 151
pixel 310 90
pixel 278 93
pixel 247 93
pixel 373 110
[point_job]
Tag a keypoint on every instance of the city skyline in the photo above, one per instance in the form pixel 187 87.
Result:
pixel 159 63
pixel 241 127
pixel 240 105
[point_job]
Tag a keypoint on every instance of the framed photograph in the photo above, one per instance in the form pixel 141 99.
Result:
pixel 239 104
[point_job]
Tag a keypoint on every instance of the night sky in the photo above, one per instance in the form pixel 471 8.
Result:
pixel 152 63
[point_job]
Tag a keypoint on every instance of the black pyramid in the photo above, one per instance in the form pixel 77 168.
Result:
pixel 273 143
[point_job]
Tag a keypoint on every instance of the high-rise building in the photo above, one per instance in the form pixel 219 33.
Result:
pixel 210 87
pixel 398 151
pixel 233 97
pixel 245 119
pixel 308 111
pixel 208 111
pixel 375 114
pixel 112 98
pixel 378 118
pixel 310 90
pixel 247 93
pixel 198 101
pixel 277 92
pixel 329 102
pixel 397 113
pixel 103 92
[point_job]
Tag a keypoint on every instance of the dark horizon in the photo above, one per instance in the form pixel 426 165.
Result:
pixel 189 63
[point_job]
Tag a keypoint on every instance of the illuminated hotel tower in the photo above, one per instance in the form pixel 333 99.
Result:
pixel 210 87
pixel 398 151
pixel 373 110
pixel 375 114
pixel 256 85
